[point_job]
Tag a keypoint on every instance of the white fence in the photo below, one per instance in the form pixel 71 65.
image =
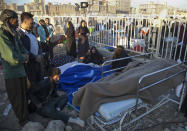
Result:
pixel 166 38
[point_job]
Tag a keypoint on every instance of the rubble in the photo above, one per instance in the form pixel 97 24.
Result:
pixel 33 126
pixel 166 129
pixel 181 129
pixel 55 125
pixel 68 128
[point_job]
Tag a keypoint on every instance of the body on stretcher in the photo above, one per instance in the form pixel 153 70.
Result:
pixel 113 112
pixel 109 111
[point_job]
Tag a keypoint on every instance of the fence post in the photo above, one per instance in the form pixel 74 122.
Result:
pixel 158 40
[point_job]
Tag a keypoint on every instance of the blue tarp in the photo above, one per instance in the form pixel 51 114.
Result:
pixel 78 76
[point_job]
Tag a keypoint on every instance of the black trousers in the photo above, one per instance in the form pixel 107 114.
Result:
pixel 49 109
pixel 44 47
pixel 51 46
pixel 48 48
pixel 16 90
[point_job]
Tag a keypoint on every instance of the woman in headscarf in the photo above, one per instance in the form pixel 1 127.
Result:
pixel 93 56
pixel 70 37
pixel 83 44
pixel 120 53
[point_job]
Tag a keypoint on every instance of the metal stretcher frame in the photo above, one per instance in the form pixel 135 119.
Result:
pixel 101 124
pixel 125 58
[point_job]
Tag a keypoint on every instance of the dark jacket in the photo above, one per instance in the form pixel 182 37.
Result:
pixel 71 43
pixel 12 54
pixel 43 92
pixel 32 68
pixel 26 42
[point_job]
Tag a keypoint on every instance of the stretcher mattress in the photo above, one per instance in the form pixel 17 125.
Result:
pixel 111 110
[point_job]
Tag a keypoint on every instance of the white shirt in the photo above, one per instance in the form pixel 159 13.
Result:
pixel 33 42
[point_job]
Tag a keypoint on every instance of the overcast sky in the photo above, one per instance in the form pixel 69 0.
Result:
pixel 175 3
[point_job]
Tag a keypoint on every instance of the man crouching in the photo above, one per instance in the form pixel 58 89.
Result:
pixel 48 103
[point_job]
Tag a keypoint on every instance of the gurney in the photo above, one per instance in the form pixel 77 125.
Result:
pixel 102 75
pixel 116 113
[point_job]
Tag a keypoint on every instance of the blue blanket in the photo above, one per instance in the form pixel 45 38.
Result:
pixel 78 76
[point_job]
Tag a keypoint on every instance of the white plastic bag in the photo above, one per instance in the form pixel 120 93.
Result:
pixel 178 90
pixel 7 109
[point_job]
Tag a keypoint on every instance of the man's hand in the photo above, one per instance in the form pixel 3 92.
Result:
pixel 38 38
pixel 47 39
pixel 38 58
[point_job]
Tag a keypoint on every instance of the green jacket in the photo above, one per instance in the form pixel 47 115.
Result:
pixel 12 55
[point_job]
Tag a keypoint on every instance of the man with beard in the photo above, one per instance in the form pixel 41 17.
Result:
pixel 33 68
pixel 14 56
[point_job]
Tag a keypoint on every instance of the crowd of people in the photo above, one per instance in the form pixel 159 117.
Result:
pixel 21 58
pixel 23 48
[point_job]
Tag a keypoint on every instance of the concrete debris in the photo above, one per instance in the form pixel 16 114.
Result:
pixel 55 125
pixel 33 126
pixel 69 128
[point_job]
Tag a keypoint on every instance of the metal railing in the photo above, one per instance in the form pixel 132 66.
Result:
pixel 141 88
pixel 162 37
pixel 163 101
pixel 125 58
pixel 166 38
